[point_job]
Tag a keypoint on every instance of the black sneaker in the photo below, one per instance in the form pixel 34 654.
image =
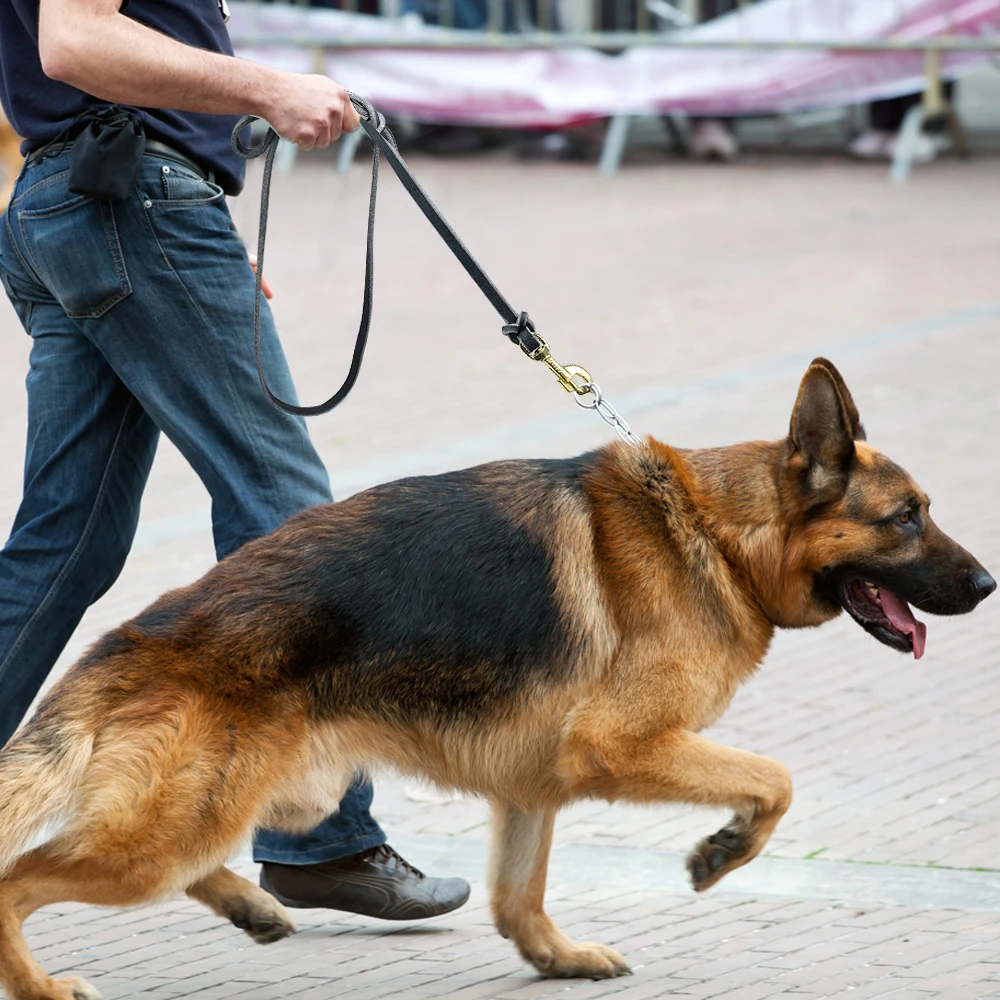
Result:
pixel 375 883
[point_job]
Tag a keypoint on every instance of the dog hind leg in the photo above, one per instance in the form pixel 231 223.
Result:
pixel 245 905
pixel 518 866
pixel 121 864
pixel 46 875
pixel 21 976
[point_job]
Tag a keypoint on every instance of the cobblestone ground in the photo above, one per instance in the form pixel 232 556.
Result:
pixel 696 296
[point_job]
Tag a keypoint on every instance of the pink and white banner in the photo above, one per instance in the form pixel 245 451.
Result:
pixel 553 87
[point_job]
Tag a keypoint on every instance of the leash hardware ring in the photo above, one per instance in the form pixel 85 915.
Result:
pixel 606 412
pixel 567 374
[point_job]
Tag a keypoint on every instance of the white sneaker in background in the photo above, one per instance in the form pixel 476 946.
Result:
pixel 925 148
pixel 712 139
pixel 942 142
pixel 432 795
pixel 872 145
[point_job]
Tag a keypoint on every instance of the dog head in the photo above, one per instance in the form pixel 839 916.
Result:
pixel 865 538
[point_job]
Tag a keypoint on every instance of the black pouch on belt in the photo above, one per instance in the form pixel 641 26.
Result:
pixel 107 154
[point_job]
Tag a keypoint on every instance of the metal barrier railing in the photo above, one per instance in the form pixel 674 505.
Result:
pixel 618 25
pixel 612 25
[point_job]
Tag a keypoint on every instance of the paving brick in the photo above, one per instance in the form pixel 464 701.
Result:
pixel 956 978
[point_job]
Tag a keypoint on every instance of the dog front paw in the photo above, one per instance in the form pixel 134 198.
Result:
pixel 71 988
pixel 717 855
pixel 586 960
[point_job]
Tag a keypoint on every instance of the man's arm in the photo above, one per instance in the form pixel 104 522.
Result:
pixel 91 46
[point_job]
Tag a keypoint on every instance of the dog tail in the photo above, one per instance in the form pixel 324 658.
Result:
pixel 40 771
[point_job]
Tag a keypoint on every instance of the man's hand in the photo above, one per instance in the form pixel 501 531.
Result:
pixel 311 111
pixel 265 286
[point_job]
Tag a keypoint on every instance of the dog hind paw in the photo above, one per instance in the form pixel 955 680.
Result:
pixel 264 924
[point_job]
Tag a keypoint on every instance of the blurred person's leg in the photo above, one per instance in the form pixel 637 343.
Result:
pixel 714 138
pixel 468 14
pixel 148 305
pixel 885 119
pixel 888 115
pixel 474 15
pixel 442 139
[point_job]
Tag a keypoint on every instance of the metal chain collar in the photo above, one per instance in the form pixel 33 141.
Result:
pixel 591 399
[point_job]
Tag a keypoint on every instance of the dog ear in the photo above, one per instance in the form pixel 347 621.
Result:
pixel 822 433
pixel 857 428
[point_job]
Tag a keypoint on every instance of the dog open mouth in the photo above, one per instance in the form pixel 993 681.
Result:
pixel 885 615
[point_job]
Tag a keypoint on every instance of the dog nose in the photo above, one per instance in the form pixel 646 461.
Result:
pixel 981 584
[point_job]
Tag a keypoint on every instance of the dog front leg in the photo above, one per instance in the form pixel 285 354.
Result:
pixel 253 910
pixel 519 862
pixel 681 766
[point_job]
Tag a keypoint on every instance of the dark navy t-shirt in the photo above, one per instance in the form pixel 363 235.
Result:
pixel 40 108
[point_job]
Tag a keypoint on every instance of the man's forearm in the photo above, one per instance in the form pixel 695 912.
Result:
pixel 91 46
pixel 120 60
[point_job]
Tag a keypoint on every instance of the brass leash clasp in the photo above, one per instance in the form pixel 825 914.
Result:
pixel 573 378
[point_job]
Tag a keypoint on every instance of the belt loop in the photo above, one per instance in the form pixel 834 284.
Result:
pixel 156 148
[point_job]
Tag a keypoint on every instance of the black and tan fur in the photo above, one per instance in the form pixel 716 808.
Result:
pixel 533 632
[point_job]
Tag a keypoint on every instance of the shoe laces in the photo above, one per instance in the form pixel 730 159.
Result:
pixel 386 855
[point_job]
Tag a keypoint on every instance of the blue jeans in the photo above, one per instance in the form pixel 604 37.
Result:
pixel 140 316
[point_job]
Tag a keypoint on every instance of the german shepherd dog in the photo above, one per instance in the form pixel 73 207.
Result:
pixel 533 632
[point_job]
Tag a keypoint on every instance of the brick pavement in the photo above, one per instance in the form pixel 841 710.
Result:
pixel 696 296
pixel 724 944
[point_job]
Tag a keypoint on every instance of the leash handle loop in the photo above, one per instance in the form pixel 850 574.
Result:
pixel 518 327
pixel 267 147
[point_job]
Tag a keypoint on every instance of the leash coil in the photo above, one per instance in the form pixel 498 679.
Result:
pixel 267 147
pixel 518 327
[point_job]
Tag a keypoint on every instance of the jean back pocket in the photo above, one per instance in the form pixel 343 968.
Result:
pixel 75 252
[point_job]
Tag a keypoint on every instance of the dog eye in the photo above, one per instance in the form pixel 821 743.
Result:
pixel 905 518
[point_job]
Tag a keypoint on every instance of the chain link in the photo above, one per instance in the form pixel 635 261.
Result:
pixel 593 400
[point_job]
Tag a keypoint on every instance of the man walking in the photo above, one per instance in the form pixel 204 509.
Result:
pixel 139 309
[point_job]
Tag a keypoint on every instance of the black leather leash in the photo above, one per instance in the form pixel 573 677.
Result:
pixel 517 325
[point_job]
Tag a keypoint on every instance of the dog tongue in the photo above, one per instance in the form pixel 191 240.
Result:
pixel 898 612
